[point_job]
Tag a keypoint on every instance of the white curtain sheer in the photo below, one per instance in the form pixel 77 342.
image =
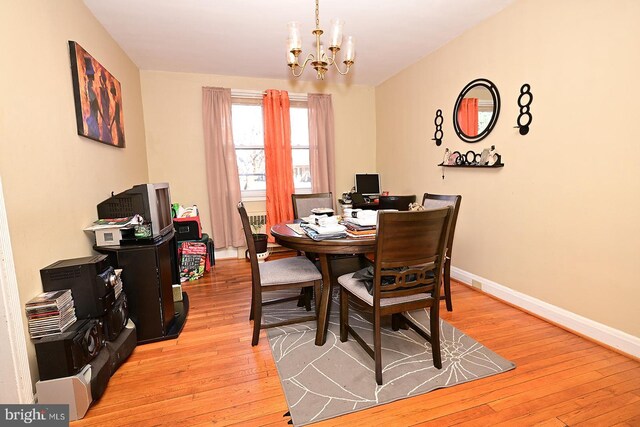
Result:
pixel 321 143
pixel 222 170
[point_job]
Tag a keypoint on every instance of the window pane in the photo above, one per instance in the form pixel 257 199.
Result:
pixel 252 183
pixel 301 171
pixel 248 137
pixel 251 168
pixel 299 127
pixel 247 125
pixel 250 161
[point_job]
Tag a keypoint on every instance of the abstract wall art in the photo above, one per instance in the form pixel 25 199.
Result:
pixel 98 99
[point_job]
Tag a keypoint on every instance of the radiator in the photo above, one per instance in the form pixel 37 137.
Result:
pixel 258 221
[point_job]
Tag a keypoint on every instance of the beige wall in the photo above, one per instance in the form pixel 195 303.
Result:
pixel 560 221
pixel 175 142
pixel 52 177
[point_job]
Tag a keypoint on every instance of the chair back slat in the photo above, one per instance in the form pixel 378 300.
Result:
pixel 431 201
pixel 400 203
pixel 303 203
pixel 407 282
pixel 251 245
pixel 414 242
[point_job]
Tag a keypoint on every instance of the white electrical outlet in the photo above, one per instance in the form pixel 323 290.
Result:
pixel 476 284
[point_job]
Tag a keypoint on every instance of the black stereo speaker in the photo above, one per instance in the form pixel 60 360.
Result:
pixel 100 374
pixel 121 347
pixel 64 354
pixel 116 318
pixel 90 280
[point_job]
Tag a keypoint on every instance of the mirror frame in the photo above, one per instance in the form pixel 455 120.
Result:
pixel 493 90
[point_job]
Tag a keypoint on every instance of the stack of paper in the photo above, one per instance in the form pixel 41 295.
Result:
pixel 363 217
pixel 320 232
pixel 358 231
pixel 127 222
pixel 323 220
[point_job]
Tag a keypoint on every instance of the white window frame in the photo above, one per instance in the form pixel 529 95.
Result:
pixel 255 98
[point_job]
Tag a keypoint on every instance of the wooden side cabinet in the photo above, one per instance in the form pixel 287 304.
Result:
pixel 148 274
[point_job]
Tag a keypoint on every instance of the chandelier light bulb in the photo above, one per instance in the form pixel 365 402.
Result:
pixel 295 39
pixel 291 58
pixel 349 50
pixel 336 32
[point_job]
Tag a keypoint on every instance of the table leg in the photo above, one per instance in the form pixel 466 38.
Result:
pixel 325 300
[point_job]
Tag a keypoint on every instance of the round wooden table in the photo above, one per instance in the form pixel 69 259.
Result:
pixel 288 238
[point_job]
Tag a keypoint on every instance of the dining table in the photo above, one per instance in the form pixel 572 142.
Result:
pixel 326 252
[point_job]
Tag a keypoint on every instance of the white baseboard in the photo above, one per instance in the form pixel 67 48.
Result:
pixel 239 253
pixel 226 253
pixel 615 338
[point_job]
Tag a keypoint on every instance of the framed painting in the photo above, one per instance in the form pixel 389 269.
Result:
pixel 98 99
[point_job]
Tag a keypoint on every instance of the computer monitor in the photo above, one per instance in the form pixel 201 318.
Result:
pixel 368 184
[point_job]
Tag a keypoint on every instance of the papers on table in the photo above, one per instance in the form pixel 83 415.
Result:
pixel 363 217
pixel 319 232
pixel 296 228
pixel 323 220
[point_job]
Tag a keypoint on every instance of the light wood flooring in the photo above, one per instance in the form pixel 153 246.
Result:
pixel 211 375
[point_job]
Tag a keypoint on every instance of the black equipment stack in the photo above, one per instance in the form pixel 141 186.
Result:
pixel 101 339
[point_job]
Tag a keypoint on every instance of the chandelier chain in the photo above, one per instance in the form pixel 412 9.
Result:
pixel 317 14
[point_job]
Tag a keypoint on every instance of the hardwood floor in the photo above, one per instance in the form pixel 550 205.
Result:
pixel 211 375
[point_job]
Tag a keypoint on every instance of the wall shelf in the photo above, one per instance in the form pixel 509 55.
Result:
pixel 497 165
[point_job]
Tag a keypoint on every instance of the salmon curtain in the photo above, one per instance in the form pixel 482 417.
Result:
pixel 277 153
pixel 468 116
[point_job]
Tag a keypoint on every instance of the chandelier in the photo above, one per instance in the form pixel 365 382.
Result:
pixel 320 61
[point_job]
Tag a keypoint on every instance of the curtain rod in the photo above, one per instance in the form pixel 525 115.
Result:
pixel 256 94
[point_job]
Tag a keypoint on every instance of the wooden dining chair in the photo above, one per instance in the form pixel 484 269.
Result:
pixel 400 203
pixel 410 251
pixel 285 273
pixel 431 201
pixel 303 203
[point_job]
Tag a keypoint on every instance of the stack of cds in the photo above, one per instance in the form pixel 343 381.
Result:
pixel 117 282
pixel 50 313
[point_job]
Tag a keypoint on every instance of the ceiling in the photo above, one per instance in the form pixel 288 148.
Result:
pixel 248 37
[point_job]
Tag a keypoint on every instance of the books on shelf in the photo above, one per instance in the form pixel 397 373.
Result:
pixel 50 313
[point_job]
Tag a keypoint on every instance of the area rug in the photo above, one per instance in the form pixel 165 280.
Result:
pixel 338 378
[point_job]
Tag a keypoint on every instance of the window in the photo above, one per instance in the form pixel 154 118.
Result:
pixel 248 137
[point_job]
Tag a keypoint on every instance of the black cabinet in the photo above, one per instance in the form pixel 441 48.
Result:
pixel 148 274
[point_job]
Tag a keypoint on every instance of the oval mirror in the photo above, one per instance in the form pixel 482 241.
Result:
pixel 476 110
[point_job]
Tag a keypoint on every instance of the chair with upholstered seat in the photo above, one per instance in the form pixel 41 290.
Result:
pixel 286 273
pixel 410 251
pixel 431 201
pixel 303 203
pixel 400 203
